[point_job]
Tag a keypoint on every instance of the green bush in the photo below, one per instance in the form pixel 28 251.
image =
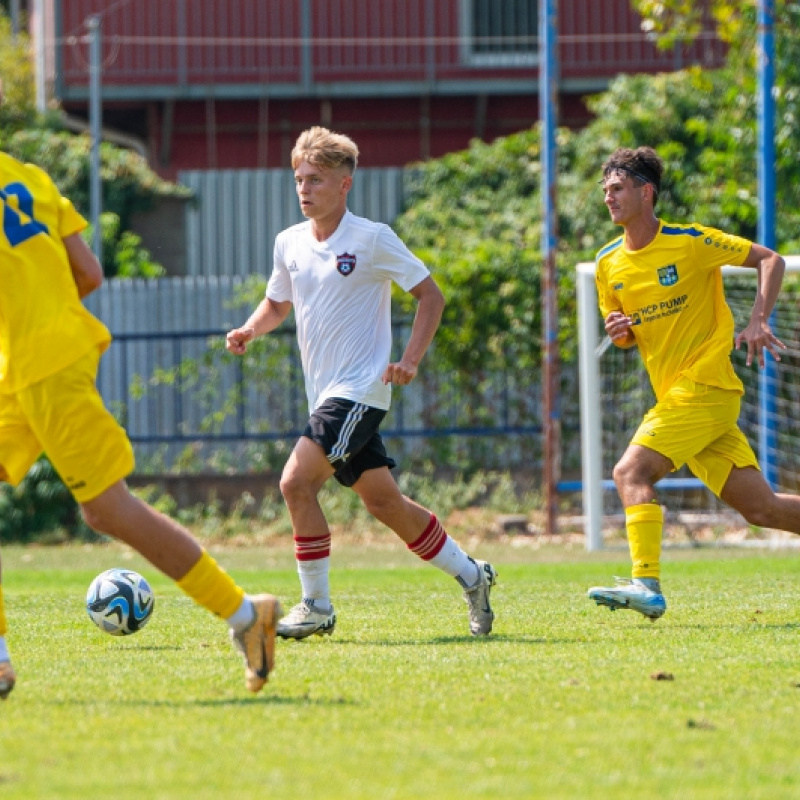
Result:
pixel 41 509
pixel 123 250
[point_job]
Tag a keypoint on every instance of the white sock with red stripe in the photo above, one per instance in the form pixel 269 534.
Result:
pixel 314 582
pixel 313 567
pixel 438 549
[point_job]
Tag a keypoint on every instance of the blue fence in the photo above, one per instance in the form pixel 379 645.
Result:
pixel 189 405
pixel 178 390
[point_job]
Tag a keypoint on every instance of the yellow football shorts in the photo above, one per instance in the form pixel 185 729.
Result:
pixel 696 425
pixel 64 416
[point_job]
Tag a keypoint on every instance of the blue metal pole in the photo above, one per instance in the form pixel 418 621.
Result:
pixel 767 446
pixel 548 112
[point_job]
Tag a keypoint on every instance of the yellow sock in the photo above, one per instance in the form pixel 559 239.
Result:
pixel 211 587
pixel 3 623
pixel 645 525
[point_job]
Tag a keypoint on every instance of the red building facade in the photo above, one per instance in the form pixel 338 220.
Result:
pixel 228 84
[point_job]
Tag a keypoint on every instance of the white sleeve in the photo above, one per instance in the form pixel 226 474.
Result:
pixel 279 287
pixel 394 260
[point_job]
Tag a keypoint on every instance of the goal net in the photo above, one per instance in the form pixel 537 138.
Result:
pixel 615 393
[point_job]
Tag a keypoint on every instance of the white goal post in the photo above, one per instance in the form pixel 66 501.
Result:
pixel 764 415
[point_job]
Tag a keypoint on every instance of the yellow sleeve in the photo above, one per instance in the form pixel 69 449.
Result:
pixel 605 299
pixel 716 249
pixel 69 220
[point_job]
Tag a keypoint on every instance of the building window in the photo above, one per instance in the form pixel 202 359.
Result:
pixel 500 32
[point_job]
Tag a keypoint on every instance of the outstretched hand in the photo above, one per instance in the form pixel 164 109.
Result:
pixel 758 336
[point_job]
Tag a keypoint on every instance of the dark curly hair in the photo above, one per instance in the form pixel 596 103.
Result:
pixel 642 164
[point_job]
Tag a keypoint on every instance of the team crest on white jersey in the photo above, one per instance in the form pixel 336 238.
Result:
pixel 346 264
pixel 668 276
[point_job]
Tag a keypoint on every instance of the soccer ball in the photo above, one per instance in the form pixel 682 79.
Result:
pixel 120 601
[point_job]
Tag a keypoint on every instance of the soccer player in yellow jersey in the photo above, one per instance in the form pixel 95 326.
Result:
pixel 660 289
pixel 50 348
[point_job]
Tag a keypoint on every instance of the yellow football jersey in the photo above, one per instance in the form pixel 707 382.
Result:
pixel 672 290
pixel 44 326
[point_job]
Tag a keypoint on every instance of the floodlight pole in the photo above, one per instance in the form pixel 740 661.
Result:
pixel 767 379
pixel 95 125
pixel 548 112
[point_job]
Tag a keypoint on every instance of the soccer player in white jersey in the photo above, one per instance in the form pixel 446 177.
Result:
pixel 337 270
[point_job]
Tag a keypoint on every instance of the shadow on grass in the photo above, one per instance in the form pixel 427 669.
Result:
pixel 273 700
pixel 263 698
pixel 474 641
pixel 745 624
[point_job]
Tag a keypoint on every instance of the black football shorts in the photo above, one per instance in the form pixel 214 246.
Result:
pixel 348 433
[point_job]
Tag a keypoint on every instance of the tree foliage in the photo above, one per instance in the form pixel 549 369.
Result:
pixel 129 185
pixel 475 217
pixel 469 220
pixel 41 509
pixel 16 75
pixel 733 152
pixel 675 21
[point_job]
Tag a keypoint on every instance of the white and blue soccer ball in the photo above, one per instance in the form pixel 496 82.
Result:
pixel 120 602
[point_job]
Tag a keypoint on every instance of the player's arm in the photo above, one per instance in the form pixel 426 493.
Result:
pixel 430 304
pixel 267 316
pixel 86 270
pixel 758 335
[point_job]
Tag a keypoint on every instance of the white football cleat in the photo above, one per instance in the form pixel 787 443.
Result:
pixel 306 619
pixel 476 597
pixel 634 594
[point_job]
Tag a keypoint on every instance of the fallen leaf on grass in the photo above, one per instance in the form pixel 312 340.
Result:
pixel 701 724
pixel 663 676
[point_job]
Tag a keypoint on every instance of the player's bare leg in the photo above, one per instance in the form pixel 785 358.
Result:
pixel 748 492
pixel 305 472
pixel 383 499
pixel 635 476
pixel 169 547
pixel 162 541
pixel 424 536
pixel 637 473
pixel 7 676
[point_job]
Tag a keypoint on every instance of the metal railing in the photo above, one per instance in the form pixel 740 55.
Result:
pixel 300 45
pixel 173 390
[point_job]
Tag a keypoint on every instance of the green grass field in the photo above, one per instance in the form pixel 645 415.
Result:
pixel 563 700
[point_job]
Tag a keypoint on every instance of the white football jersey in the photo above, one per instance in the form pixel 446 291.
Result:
pixel 341 292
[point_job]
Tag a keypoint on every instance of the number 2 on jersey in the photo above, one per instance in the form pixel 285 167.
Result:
pixel 16 230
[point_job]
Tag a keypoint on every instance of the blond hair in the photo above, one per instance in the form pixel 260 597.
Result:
pixel 326 149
